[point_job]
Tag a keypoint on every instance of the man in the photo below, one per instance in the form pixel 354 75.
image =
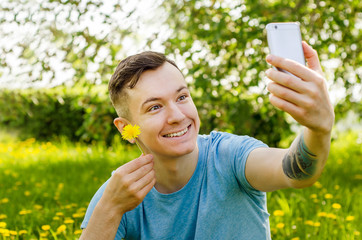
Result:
pixel 190 186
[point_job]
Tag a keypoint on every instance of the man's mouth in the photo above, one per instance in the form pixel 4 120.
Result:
pixel 177 134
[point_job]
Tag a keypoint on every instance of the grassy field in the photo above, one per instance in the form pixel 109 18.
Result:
pixel 45 189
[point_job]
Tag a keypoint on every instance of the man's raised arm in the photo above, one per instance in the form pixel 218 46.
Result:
pixel 305 97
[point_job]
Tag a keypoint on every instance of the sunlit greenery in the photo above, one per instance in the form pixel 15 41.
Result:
pixel 45 188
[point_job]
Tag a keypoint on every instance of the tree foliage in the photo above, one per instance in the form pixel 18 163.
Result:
pixel 224 46
pixel 220 46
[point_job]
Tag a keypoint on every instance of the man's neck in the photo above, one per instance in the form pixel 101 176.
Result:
pixel 174 174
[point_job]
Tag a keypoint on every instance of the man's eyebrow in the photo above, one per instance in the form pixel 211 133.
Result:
pixel 151 99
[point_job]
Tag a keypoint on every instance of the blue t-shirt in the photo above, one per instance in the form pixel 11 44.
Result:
pixel 216 203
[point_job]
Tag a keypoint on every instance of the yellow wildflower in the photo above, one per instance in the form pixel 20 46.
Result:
pixel 76 232
pixel 3 216
pixel 280 225
pixel 318 184
pixel 349 218
pixel 56 218
pixel 21 232
pixel 357 233
pixel 336 206
pixel 45 227
pixel 27 193
pixel 78 215
pixel 322 214
pixel 309 222
pixel 331 215
pixel 61 228
pixel 4 200
pixel 313 196
pixel 66 221
pixel 131 132
pixel 328 196
pixel 59 214
pixel 14 233
pixel 2 224
pixel 317 224
pixel 278 213
pixel 296 238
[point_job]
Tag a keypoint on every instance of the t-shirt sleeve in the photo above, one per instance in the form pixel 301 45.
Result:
pixel 97 196
pixel 235 150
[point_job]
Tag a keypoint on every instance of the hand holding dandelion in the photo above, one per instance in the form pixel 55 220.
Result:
pixel 131 133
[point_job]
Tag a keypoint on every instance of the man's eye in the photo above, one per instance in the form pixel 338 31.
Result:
pixel 183 97
pixel 153 108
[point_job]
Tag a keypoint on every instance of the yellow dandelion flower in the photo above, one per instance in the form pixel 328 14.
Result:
pixel 357 233
pixel 318 184
pixel 2 224
pixel 280 225
pixel 13 233
pixel 296 238
pixel 322 214
pixel 3 216
pixel 56 218
pixel 68 221
pixel 22 232
pixel 336 187
pixel 309 222
pixel 43 234
pixel 45 227
pixel 61 228
pixel 349 218
pixel 317 224
pixel 131 132
pixel 336 206
pixel 27 193
pixel 331 215
pixel 59 214
pixel 313 196
pixel 78 215
pixel 328 196
pixel 5 232
pixel 278 213
pixel 38 207
pixel 76 232
pixel 4 200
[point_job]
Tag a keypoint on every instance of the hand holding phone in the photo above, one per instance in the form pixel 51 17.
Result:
pixel 284 40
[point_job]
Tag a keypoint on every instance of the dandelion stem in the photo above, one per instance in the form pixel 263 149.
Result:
pixel 139 146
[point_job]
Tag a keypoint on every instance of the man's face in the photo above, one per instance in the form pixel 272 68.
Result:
pixel 161 105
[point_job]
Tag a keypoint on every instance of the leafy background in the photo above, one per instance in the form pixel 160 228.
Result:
pixel 56 131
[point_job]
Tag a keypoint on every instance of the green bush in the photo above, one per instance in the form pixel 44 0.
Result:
pixel 78 114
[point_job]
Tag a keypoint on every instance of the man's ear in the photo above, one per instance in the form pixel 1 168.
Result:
pixel 120 123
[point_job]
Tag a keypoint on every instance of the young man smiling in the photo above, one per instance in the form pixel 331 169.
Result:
pixel 191 186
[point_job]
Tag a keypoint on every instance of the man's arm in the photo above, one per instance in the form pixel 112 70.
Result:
pixel 306 99
pixel 126 189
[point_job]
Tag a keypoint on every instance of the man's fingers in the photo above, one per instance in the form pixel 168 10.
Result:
pixel 293 67
pixel 136 164
pixel 143 181
pixel 312 57
pixel 286 80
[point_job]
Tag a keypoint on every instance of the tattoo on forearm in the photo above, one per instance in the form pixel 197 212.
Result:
pixel 299 163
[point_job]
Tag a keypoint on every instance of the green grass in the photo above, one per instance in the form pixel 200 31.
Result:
pixel 49 185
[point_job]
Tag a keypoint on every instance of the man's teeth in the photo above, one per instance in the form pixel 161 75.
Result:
pixel 178 134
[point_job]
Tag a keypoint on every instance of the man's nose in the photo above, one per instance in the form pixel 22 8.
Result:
pixel 175 114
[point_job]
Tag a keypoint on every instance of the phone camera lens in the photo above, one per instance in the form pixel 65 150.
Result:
pixel 276 27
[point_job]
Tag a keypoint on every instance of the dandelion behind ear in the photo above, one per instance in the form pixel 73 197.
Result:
pixel 131 133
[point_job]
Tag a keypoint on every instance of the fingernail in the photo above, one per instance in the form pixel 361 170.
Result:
pixel 267 72
pixel 269 58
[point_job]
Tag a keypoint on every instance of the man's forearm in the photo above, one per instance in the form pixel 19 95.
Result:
pixel 306 158
pixel 103 223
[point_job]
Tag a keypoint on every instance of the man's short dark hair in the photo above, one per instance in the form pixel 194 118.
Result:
pixel 127 74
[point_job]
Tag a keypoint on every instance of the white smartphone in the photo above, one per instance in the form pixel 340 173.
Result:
pixel 285 40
